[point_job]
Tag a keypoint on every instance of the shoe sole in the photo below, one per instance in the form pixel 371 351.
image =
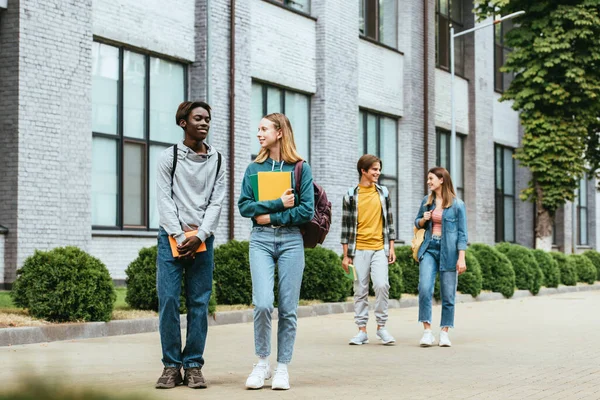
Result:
pixel 426 345
pixel 358 344
pixel 168 386
pixel 280 388
pixel 445 345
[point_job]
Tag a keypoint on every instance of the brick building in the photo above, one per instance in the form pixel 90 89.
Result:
pixel 88 92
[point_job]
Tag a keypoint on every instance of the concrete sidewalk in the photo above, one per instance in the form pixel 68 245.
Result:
pixel 534 348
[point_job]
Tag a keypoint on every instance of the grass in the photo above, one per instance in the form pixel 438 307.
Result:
pixel 6 300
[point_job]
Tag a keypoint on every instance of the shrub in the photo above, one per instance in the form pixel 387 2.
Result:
pixel 568 274
pixel 471 280
pixel 212 303
pixel 496 270
pixel 549 267
pixel 232 273
pixel 528 275
pixel 586 272
pixel 65 284
pixel 594 257
pixel 410 269
pixel 324 278
pixel 396 281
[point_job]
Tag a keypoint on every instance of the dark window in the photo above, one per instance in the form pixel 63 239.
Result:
pixel 582 212
pixel 300 5
pixel 505 194
pixel 502 80
pixel 378 21
pixel 449 13
pixel 267 99
pixel 443 158
pixel 378 135
pixel 134 100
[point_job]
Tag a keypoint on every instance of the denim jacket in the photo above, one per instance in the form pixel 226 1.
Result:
pixel 454 233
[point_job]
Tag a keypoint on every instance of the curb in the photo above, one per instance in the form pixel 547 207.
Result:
pixel 88 330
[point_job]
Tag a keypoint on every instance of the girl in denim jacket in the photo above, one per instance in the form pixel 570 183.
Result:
pixel 443 216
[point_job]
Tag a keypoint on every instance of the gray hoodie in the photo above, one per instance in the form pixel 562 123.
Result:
pixel 198 193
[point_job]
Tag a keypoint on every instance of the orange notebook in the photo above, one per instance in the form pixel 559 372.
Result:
pixel 173 243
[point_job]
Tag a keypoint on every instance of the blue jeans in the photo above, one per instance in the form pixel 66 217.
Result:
pixel 284 246
pixel 428 267
pixel 198 287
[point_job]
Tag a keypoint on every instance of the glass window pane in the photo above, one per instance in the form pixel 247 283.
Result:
pixel 459 55
pixel 256 114
pixel 583 226
pixel 297 110
pixel 300 5
pixel 104 181
pixel 105 84
pixel 134 94
pixel 443 41
pixel 583 192
pixel 274 100
pixel 134 191
pixel 498 159
pixel 361 133
pixel 460 193
pixel 389 146
pixel 458 177
pixel 509 219
pixel 457 11
pixel 166 93
pixel 392 186
pixel 444 150
pixel 509 184
pixel 371 19
pixel 443 7
pixel 155 152
pixel 372 134
pixel 388 23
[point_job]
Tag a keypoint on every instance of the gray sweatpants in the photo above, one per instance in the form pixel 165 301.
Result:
pixel 374 263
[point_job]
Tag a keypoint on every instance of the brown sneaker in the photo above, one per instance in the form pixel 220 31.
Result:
pixel 194 379
pixel 170 378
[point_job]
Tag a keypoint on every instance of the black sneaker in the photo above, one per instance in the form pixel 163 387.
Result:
pixel 194 379
pixel 170 378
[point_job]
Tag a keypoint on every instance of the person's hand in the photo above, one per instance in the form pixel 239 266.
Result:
pixel 461 266
pixel 288 198
pixel 264 219
pixel 392 257
pixel 345 262
pixel 187 249
pixel 427 215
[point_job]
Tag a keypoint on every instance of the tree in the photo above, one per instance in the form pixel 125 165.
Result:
pixel 556 89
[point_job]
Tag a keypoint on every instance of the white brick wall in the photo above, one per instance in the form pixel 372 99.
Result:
pixel 380 78
pixel 443 109
pixel 118 252
pixel 164 27
pixel 506 123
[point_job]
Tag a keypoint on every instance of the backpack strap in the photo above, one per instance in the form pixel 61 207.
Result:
pixel 298 175
pixel 174 166
pixel 218 164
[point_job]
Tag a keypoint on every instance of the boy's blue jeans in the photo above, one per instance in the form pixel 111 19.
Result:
pixel 428 267
pixel 198 287
pixel 282 246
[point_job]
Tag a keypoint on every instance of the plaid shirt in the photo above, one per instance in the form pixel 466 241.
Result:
pixel 350 219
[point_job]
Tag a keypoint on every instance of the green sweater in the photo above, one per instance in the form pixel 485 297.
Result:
pixel 301 213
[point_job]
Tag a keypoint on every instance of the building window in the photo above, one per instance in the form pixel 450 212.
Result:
pixel 449 13
pixel 378 20
pixel 378 135
pixel 502 80
pixel 300 5
pixel 505 194
pixel 443 158
pixel 267 99
pixel 134 99
pixel 582 212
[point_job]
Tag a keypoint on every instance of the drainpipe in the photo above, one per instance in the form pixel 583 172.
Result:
pixel 425 93
pixel 231 118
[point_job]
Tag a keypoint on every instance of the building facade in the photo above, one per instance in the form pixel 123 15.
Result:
pixel 89 89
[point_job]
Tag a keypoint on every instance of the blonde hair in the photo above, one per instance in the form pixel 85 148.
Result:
pixel 448 193
pixel 287 146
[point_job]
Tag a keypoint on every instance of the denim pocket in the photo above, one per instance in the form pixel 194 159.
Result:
pixel 451 224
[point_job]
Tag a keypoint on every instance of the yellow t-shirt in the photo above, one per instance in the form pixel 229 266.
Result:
pixel 369 235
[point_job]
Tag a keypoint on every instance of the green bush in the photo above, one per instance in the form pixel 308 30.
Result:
pixel 65 284
pixel 324 278
pixel 141 282
pixel 232 273
pixel 212 303
pixel 568 274
pixel 396 281
pixel 528 275
pixel 471 280
pixel 594 257
pixel 496 270
pixel 43 388
pixel 586 272
pixel 549 268
pixel 410 269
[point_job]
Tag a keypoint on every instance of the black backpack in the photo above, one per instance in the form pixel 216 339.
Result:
pixel 175 166
pixel 315 231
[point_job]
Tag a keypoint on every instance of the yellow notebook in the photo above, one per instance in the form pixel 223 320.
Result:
pixel 271 185
pixel 173 243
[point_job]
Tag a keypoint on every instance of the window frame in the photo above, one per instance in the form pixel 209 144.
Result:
pixel 265 101
pixel 377 39
pixel 287 4
pixel 146 141
pixel 458 27
pixel 500 212
pixel 460 141
pixel 580 208
pixel 500 78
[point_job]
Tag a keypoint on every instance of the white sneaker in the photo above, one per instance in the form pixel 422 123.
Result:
pixel 444 339
pixel 257 377
pixel 428 339
pixel 360 338
pixel 385 337
pixel 281 380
